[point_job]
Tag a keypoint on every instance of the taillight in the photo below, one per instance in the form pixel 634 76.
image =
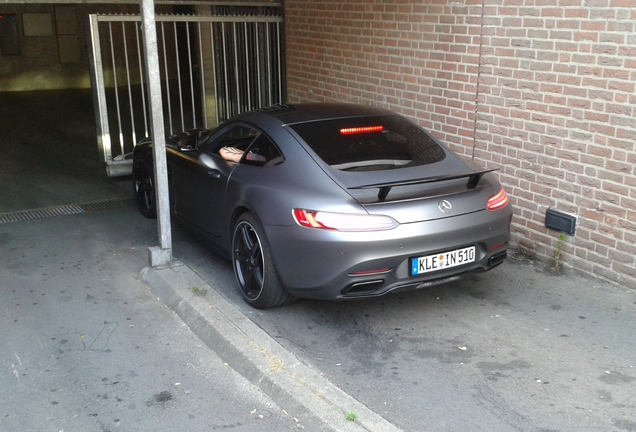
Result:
pixel 497 201
pixel 343 221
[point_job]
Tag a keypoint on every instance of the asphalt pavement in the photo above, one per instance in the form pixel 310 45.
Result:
pixel 95 340
pixel 86 346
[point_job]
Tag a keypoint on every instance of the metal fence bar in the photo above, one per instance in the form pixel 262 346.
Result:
pixel 141 80
pixel 225 72
pixel 257 45
pixel 269 66
pixel 166 77
pixel 204 107
pixel 237 104
pixel 248 83
pixel 195 18
pixel 99 91
pixel 116 85
pixel 191 76
pixel 129 85
pixel 214 71
pixel 178 68
pixel 279 63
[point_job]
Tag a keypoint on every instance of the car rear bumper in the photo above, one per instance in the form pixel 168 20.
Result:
pixel 321 264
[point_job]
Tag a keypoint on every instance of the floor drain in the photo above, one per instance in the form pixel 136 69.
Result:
pixel 62 210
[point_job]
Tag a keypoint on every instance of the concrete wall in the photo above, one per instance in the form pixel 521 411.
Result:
pixel 53 41
pixel 52 45
pixel 545 91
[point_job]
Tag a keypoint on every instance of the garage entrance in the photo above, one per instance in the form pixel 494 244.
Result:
pixel 211 68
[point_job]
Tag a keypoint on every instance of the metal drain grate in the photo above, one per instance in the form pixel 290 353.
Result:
pixel 69 209
pixel 105 204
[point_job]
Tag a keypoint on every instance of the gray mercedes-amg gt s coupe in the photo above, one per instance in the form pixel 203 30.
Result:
pixel 330 201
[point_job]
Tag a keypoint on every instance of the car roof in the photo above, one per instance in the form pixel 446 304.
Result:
pixel 307 112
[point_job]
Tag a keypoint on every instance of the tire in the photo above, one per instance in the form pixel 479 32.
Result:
pixel 254 268
pixel 144 190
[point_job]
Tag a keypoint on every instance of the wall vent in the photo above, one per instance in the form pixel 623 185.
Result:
pixel 559 221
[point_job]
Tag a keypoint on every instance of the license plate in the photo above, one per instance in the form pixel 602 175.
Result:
pixel 442 260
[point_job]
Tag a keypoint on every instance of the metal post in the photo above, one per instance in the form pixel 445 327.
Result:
pixel 159 255
pixel 99 92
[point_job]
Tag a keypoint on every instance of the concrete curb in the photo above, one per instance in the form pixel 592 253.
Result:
pixel 255 355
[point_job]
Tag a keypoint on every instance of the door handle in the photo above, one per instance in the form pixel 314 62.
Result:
pixel 215 174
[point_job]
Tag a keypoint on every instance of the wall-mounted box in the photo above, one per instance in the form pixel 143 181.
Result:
pixel 560 221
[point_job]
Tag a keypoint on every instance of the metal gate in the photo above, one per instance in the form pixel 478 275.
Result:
pixel 212 68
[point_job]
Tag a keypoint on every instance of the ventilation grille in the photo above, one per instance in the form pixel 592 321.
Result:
pixel 69 209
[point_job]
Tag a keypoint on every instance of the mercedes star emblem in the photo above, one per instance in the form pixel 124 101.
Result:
pixel 444 206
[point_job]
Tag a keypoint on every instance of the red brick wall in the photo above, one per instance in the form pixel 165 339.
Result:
pixel 418 59
pixel 558 106
pixel 552 84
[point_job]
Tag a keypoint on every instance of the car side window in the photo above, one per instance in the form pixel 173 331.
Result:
pixel 262 152
pixel 237 136
pixel 245 144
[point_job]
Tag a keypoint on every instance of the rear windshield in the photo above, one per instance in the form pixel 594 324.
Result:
pixel 370 143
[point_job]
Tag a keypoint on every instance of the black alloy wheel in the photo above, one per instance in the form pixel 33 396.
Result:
pixel 254 268
pixel 144 190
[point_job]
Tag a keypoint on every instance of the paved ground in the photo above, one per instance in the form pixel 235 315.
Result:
pixel 516 349
pixel 88 347
pixel 49 152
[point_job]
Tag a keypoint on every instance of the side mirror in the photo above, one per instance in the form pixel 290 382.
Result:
pixel 188 144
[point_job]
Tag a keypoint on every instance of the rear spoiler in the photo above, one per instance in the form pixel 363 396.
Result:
pixel 385 188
